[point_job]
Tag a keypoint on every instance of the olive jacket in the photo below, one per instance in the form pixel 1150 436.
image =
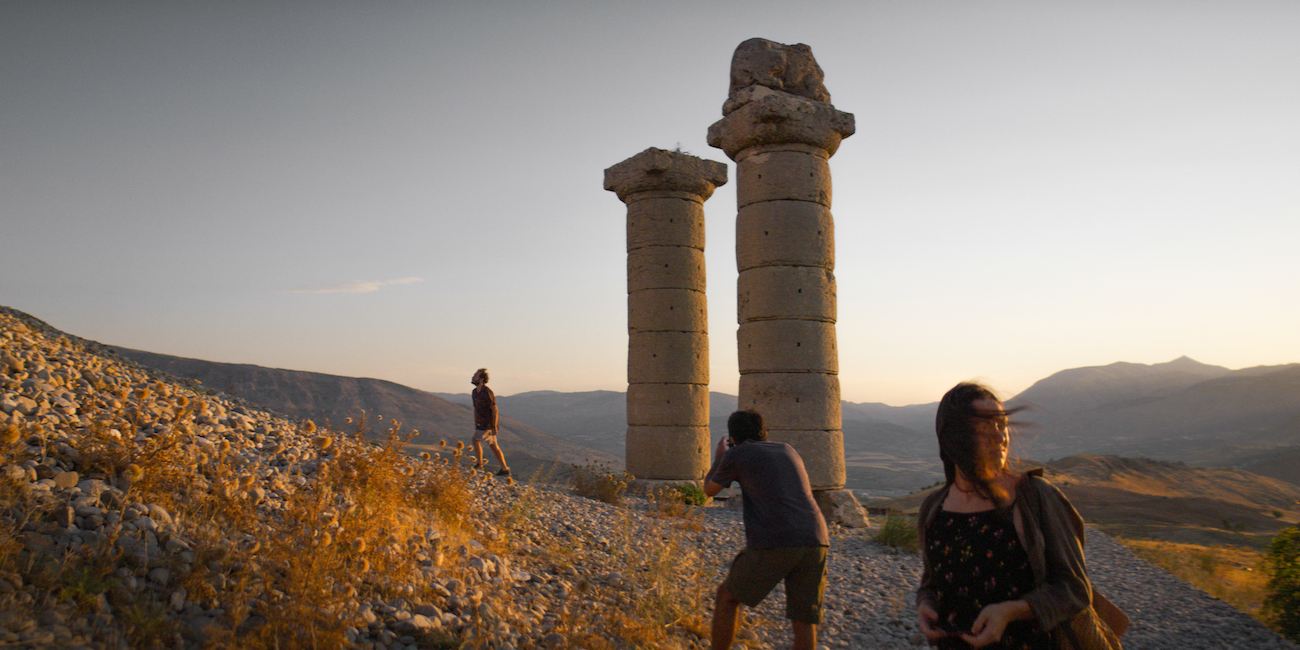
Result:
pixel 1051 531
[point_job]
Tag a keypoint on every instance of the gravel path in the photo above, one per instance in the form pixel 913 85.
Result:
pixel 871 586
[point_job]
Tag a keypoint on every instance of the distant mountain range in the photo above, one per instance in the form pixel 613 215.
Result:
pixel 1182 410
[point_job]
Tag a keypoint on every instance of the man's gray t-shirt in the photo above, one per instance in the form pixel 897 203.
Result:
pixel 779 506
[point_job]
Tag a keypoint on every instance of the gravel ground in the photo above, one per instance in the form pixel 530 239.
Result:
pixel 870 590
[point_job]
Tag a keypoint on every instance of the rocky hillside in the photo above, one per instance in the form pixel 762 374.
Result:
pixel 332 398
pixel 136 512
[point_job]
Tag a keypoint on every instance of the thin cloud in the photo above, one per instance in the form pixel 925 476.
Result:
pixel 355 286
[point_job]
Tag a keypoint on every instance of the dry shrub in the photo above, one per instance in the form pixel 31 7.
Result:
pixel 596 481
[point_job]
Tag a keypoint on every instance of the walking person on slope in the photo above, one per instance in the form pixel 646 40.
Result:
pixel 485 421
pixel 785 534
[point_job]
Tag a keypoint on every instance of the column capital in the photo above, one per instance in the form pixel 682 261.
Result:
pixel 657 170
pixel 763 116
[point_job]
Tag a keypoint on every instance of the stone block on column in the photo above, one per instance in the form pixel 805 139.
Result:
pixel 786 292
pixel 793 400
pixel 785 233
pixel 668 358
pixel 801 174
pixel 658 170
pixel 776 117
pixel 787 346
pixel 665 267
pixel 667 310
pixel 668 452
pixel 822 453
pixel 662 405
pixel 665 221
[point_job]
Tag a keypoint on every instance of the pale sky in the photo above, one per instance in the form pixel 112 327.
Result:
pixel 412 190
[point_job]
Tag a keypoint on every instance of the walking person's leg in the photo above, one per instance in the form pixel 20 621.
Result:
pixel 725 610
pixel 501 457
pixel 478 449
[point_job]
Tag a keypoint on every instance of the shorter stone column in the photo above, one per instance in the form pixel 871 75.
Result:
pixel 667 315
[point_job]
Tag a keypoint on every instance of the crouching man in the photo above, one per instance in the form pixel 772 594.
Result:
pixel 785 534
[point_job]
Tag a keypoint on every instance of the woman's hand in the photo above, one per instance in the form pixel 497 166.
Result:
pixel 993 620
pixel 926 617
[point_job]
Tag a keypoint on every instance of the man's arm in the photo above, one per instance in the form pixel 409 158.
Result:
pixel 710 488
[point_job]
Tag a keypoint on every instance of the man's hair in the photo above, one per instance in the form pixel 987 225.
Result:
pixel 746 425
pixel 483 372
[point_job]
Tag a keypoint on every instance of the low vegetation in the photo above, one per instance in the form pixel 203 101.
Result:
pixel 597 481
pixel 899 531
pixel 1234 575
pixel 1282 605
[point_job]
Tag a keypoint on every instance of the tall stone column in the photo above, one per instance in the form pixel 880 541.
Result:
pixel 781 130
pixel 667 315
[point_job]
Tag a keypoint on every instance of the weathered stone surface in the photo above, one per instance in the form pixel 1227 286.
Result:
pixel 765 63
pixel 841 507
pixel 785 233
pixel 66 480
pixel 787 346
pixel 668 405
pixel 665 221
pixel 665 267
pixel 793 400
pixel 822 453
pixel 779 118
pixel 667 310
pixel 668 452
pixel 668 358
pixel 783 173
pixel 659 170
pixel 772 292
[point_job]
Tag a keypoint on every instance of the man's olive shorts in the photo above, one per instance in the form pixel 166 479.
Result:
pixel 756 571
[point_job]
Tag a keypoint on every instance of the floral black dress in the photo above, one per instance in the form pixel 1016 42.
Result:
pixel 977 560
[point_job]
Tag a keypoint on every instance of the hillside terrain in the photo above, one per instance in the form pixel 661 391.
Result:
pixel 1150 499
pixel 1182 411
pixel 140 511
pixel 334 399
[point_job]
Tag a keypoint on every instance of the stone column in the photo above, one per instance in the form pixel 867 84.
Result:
pixel 667 316
pixel 781 130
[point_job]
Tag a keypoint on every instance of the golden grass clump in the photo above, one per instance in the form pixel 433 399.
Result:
pixel 596 481
pixel 1231 574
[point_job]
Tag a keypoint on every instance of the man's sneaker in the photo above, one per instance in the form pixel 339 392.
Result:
pixel 505 471
pixel 478 466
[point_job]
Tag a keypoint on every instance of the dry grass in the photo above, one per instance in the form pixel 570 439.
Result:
pixel 1231 574
pixel 290 578
pixel 596 481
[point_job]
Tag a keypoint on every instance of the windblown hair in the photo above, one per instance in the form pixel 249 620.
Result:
pixel 484 373
pixel 746 425
pixel 954 423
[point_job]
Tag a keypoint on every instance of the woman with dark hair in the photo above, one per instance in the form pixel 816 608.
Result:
pixel 1002 551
